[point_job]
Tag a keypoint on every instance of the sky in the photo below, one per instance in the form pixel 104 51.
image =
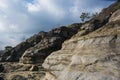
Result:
pixel 19 19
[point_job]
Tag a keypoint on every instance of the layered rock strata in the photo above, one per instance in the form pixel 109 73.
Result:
pixel 95 56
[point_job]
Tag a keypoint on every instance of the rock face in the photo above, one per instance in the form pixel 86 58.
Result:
pixel 14 54
pixel 81 51
pixel 38 47
pixel 92 56
pixel 18 71
pixel 115 16
pixel 33 52
pixel 48 44
pixel 34 68
pixel 106 11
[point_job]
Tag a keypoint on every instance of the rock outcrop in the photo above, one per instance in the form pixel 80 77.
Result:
pixel 115 17
pixel 14 54
pixel 52 42
pixel 112 8
pixel 92 56
pixel 81 51
pixel 38 47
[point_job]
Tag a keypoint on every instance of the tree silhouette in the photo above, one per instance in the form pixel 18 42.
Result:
pixel 84 16
pixel 8 48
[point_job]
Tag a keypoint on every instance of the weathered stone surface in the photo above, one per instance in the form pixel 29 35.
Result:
pixel 14 54
pixel 93 56
pixel 18 71
pixel 115 16
pixel 34 68
pixel 52 42
pixel 40 43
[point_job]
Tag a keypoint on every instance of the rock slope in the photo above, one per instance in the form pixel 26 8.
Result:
pixel 92 56
pixel 40 45
pixel 81 51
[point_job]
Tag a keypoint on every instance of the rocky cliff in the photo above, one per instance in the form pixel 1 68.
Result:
pixel 81 51
pixel 92 56
pixel 40 45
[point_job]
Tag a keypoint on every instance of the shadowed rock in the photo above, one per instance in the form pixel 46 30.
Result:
pixel 52 42
pixel 1 68
pixel 40 45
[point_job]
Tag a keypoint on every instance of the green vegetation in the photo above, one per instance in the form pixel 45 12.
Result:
pixel 7 48
pixel 85 16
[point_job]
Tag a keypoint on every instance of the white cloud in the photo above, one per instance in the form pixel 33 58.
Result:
pixel 33 8
pixel 91 6
pixel 2 4
pixel 22 18
pixel 2 27
pixel 48 6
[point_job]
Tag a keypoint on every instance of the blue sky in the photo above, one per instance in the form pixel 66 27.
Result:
pixel 19 19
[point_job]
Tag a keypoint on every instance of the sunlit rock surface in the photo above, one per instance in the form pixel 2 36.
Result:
pixel 95 56
pixel 81 51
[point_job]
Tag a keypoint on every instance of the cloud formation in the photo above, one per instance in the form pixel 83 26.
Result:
pixel 20 19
